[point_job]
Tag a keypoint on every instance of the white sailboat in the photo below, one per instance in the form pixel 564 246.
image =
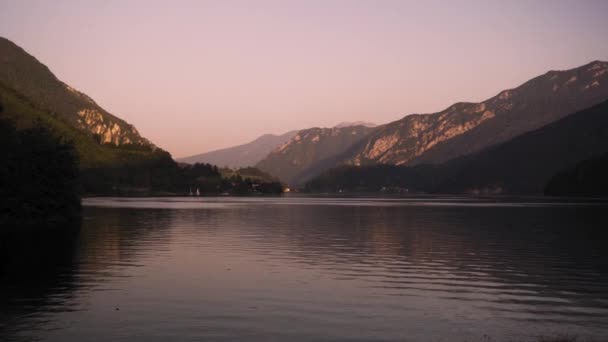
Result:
pixel 198 193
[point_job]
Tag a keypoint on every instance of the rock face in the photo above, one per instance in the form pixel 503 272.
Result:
pixel 242 155
pixel 311 151
pixel 466 128
pixel 25 75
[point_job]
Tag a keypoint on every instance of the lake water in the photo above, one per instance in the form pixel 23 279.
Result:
pixel 311 269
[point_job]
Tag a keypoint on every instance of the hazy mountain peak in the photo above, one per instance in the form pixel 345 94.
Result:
pixel 354 123
pixel 243 155
pixel 597 64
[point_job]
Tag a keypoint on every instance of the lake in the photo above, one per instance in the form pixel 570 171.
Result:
pixel 311 269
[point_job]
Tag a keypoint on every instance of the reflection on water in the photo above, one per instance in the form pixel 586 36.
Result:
pixel 431 269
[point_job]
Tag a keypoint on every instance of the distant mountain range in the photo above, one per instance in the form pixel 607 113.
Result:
pixel 461 129
pixel 31 93
pixel 522 165
pixel 244 155
pixel 253 152
pixel 311 151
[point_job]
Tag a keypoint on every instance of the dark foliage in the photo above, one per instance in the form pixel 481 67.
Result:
pixel 240 185
pixel 164 176
pixel 156 173
pixel 586 178
pixel 270 188
pixel 38 175
pixel 388 178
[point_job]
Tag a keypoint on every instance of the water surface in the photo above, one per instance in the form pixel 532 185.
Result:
pixel 303 269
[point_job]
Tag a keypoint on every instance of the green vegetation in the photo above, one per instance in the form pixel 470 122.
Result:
pixel 32 95
pixel 23 74
pixel 249 180
pixel 38 176
pixel 163 176
pixel 25 114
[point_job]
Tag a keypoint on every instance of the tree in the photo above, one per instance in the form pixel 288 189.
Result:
pixel 38 175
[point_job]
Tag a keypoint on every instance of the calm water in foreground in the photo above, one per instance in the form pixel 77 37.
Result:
pixel 311 269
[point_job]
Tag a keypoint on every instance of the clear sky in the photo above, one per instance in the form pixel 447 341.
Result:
pixel 194 76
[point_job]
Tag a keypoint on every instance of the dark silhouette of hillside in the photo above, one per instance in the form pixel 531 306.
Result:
pixel 587 178
pixel 38 176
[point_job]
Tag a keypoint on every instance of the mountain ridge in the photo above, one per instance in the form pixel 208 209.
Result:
pixel 539 101
pixel 464 128
pixel 310 151
pixel 243 155
pixel 345 124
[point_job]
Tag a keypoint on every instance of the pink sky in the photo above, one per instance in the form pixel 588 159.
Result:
pixel 194 76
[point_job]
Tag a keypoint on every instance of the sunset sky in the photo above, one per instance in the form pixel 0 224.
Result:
pixel 194 76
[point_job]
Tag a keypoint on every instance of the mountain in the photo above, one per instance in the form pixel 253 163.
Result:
pixel 522 165
pixel 31 93
pixel 460 130
pixel 251 153
pixel 526 163
pixel 355 123
pixel 310 152
pixel 26 76
pixel 465 128
pixel 242 155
